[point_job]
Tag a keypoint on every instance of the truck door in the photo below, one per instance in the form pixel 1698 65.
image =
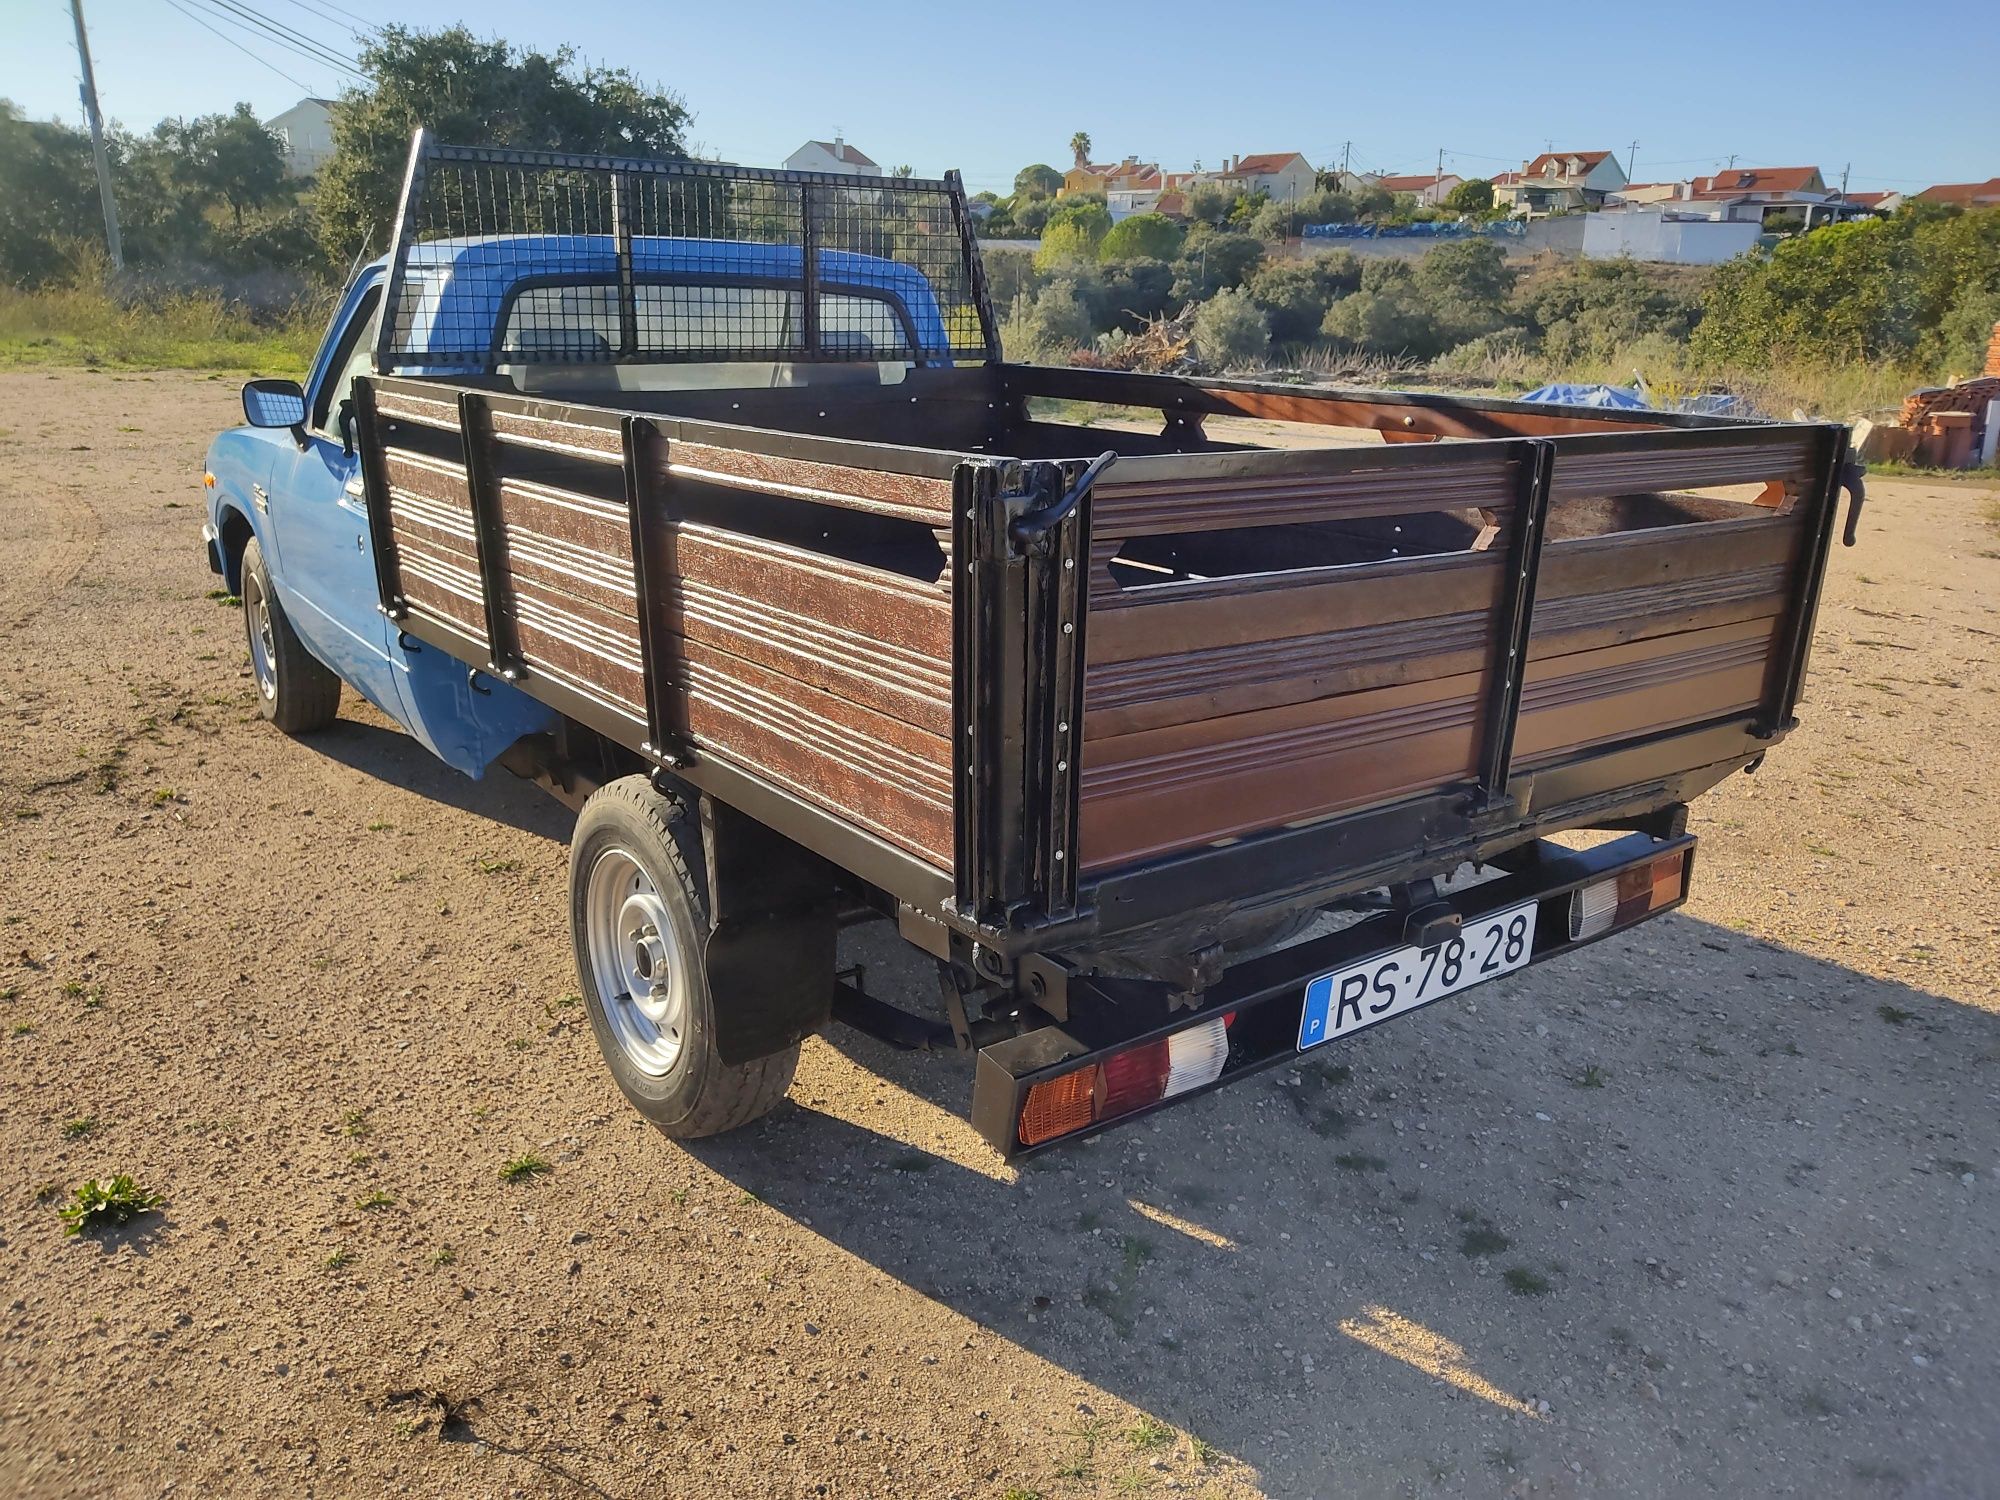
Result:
pixel 322 526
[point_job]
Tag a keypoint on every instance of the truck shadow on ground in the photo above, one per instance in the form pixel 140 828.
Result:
pixel 1618 1185
pixel 393 758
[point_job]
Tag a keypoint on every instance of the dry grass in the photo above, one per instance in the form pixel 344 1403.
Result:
pixel 85 325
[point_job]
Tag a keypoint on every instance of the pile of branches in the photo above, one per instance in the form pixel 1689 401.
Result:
pixel 1165 346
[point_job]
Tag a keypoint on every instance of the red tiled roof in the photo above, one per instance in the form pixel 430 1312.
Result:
pixel 1756 180
pixel 1264 164
pixel 1505 179
pixel 844 152
pixel 1560 160
pixel 1173 204
pixel 1869 200
pixel 1416 184
pixel 1963 192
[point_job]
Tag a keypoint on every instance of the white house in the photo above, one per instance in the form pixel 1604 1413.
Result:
pixel 1429 187
pixel 307 132
pixel 1122 203
pixel 1559 182
pixel 832 156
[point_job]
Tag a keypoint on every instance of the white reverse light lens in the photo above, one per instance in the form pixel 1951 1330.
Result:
pixel 1593 909
pixel 1195 1057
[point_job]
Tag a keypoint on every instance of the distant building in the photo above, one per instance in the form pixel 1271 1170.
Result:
pixel 1879 203
pixel 832 156
pixel 306 131
pixel 1779 199
pixel 1285 175
pixel 1102 180
pixel 1428 187
pixel 1966 194
pixel 1559 182
pixel 1647 193
pixel 1127 201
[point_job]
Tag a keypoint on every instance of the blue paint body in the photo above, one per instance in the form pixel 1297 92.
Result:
pixel 303 502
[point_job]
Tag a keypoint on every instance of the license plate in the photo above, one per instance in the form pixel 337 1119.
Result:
pixel 1401 979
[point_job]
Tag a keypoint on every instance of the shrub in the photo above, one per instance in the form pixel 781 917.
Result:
pixel 1063 244
pixel 1230 331
pixel 1133 292
pixel 1295 294
pixel 1211 260
pixel 97 1204
pixel 1048 326
pixel 1142 236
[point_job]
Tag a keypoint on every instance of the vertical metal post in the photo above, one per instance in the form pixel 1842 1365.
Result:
pixel 975 267
pixel 1062 577
pixel 489 535
pixel 393 323
pixel 1793 645
pixel 114 242
pixel 645 457
pixel 628 296
pixel 1514 621
pixel 369 437
pixel 808 270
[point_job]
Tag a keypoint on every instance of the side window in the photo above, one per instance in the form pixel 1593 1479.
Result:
pixel 351 360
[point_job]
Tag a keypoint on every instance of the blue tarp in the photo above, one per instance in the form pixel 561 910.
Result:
pixel 1623 398
pixel 1428 229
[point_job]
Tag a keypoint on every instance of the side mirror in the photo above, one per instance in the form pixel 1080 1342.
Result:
pixel 275 403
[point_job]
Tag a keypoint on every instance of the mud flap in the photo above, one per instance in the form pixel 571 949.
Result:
pixel 770 951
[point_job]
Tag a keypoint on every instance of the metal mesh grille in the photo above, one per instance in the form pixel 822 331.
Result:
pixel 514 258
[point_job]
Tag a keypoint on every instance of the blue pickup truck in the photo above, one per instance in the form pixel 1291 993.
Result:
pixel 704 497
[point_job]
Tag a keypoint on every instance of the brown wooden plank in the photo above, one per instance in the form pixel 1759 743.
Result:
pixel 1166 618
pixel 907 496
pixel 1158 507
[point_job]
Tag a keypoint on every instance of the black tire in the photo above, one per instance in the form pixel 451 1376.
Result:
pixel 676 1079
pixel 294 691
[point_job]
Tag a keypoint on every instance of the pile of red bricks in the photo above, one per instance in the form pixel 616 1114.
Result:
pixel 1970 396
pixel 1993 353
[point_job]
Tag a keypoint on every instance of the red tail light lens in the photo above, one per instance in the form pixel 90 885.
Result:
pixel 1125 1081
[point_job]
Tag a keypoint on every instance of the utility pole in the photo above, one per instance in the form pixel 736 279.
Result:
pixel 1631 159
pixel 112 242
pixel 1732 161
pixel 1843 180
pixel 1346 154
pixel 1440 175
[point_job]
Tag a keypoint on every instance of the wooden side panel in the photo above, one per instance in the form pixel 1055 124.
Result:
pixel 1217 707
pixel 829 677
pixel 430 527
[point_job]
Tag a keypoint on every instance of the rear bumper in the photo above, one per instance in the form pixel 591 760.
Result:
pixel 1263 998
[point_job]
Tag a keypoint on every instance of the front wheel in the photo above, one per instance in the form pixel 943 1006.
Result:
pixel 293 690
pixel 639 923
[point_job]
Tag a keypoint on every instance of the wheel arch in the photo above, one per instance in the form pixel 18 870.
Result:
pixel 233 533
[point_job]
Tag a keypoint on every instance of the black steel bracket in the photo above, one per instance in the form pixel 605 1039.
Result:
pixel 1514 623
pixel 649 512
pixel 489 535
pixel 375 501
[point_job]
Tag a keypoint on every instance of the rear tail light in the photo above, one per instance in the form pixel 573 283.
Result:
pixel 1127 1080
pixel 1627 896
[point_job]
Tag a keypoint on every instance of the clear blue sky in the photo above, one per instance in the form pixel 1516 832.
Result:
pixel 1907 99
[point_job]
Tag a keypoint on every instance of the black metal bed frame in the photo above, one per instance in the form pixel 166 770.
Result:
pixel 1021 535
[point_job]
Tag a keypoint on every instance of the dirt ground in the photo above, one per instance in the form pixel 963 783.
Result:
pixel 1709 1209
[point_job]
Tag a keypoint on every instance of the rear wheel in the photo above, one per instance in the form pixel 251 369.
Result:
pixel 293 690
pixel 639 923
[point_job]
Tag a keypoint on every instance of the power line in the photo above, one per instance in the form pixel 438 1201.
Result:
pixel 292 41
pixel 254 57
pixel 360 28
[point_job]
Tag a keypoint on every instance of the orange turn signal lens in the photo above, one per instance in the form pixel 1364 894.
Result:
pixel 208 481
pixel 1058 1106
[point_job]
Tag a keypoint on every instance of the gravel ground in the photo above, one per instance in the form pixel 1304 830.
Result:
pixel 1709 1209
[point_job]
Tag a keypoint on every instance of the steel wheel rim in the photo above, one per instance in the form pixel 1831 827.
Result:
pixel 263 640
pixel 636 962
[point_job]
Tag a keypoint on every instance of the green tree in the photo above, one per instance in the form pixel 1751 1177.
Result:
pixel 1087 212
pixel 1590 309
pixel 1039 181
pixel 1230 331
pixel 1387 315
pixel 1133 292
pixel 476 91
pixel 48 198
pixel 1142 236
pixel 1212 259
pixel 1062 243
pixel 1294 294
pixel 1079 147
pixel 1048 325
pixel 1473 196
pixel 230 159
pixel 1210 202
